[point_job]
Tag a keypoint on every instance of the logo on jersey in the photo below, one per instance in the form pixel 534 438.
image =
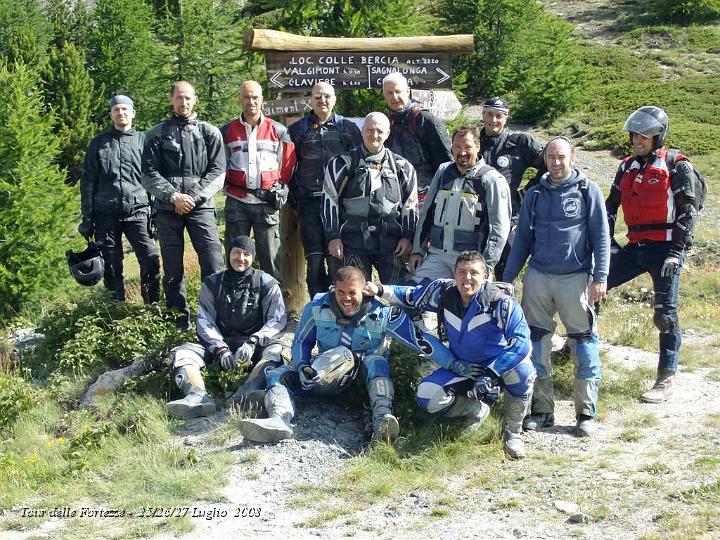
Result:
pixel 571 207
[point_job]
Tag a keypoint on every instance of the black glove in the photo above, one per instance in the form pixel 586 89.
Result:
pixel 86 228
pixel 469 370
pixel 486 389
pixel 225 357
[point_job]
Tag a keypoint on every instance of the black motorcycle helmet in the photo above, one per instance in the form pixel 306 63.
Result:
pixel 87 267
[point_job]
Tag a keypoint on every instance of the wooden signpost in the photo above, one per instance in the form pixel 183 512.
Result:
pixel 296 63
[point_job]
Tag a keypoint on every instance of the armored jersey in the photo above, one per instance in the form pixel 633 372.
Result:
pixel 315 144
pixel 465 212
pixel 231 309
pixel 183 155
pixel 369 195
pixel 490 331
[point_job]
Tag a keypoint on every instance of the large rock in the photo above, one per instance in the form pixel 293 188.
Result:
pixel 110 380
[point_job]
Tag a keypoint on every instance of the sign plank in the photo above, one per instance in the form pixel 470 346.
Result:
pixel 281 107
pixel 294 71
pixel 442 103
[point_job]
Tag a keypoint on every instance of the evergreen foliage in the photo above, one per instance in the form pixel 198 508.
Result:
pixel 69 90
pixel 69 21
pixel 207 38
pixel 24 31
pixel 126 58
pixel 36 206
pixel 683 12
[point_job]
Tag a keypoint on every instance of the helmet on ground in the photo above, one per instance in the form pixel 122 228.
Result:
pixel 649 121
pixel 87 267
pixel 335 370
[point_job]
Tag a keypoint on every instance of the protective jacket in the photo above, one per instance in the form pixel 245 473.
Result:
pixel 315 144
pixel 369 196
pixel 511 154
pixel 647 198
pixel 233 308
pixel 365 334
pixel 491 330
pixel 183 155
pixel 421 138
pixel 563 227
pixel 110 186
pixel 258 157
pixel 465 212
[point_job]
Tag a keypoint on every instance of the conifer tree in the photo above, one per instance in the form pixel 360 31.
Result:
pixel 36 218
pixel 69 92
pixel 24 32
pixel 127 59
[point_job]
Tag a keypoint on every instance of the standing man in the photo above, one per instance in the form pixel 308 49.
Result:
pixel 317 138
pixel 659 192
pixel 370 205
pixel 260 160
pixel 563 228
pixel 240 315
pixel 467 209
pixel 489 347
pixel 350 331
pixel 183 168
pixel 415 133
pixel 511 154
pixel 113 201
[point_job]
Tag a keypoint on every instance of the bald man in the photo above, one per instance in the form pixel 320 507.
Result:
pixel 318 137
pixel 563 228
pixel 260 161
pixel 183 168
pixel 370 205
pixel 415 133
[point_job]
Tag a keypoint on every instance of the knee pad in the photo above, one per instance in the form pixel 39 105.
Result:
pixel 666 320
pixel 283 375
pixel 376 366
pixel 431 397
pixel 273 353
pixel 519 380
pixel 188 354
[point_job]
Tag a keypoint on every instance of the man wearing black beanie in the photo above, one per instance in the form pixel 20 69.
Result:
pixel 240 313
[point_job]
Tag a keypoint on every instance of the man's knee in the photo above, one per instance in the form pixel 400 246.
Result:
pixel 666 320
pixel 376 366
pixel 188 354
pixel 431 397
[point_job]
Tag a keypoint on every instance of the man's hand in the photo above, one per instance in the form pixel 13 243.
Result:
pixel 227 362
pixel 670 266
pixel 335 248
pixel 598 291
pixel 308 377
pixel 370 289
pixel 415 261
pixel 244 353
pixel 403 247
pixel 183 203
pixel 486 389
pixel 469 370
pixel 86 228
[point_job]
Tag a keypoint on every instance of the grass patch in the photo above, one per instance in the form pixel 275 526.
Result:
pixel 706 463
pixel 712 421
pixel 631 434
pixel 656 468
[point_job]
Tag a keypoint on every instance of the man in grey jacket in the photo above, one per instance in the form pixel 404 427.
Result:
pixel 183 168
pixel 467 209
pixel 563 228
pixel 113 202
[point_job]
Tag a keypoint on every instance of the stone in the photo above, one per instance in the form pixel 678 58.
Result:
pixel 566 507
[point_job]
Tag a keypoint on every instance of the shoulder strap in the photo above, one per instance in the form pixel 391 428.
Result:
pixel 442 331
pixel 339 123
pixel 354 161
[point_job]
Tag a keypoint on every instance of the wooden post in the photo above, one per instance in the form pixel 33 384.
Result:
pixel 293 254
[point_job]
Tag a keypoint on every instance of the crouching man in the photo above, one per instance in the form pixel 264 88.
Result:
pixel 240 313
pixel 490 344
pixel 351 332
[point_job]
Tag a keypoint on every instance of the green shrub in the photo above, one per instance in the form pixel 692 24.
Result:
pixel 684 11
pixel 98 333
pixel 16 396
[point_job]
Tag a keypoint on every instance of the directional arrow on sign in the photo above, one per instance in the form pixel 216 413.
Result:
pixel 444 77
pixel 274 80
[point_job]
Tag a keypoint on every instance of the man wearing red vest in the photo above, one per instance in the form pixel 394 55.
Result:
pixel 657 203
pixel 260 161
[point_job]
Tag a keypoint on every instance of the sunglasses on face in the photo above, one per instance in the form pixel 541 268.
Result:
pixel 322 96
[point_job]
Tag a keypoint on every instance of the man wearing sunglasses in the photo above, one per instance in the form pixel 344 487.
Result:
pixel 318 137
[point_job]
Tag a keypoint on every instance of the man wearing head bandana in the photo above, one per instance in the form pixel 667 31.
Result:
pixel 240 315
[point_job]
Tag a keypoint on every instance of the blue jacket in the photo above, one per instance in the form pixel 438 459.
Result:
pixel 563 227
pixel 319 325
pixel 491 333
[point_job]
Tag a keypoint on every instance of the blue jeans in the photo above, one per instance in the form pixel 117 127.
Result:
pixel 636 259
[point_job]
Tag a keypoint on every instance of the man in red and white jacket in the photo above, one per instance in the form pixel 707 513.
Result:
pixel 260 161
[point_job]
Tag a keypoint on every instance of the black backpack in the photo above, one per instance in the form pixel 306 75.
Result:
pixel 699 185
